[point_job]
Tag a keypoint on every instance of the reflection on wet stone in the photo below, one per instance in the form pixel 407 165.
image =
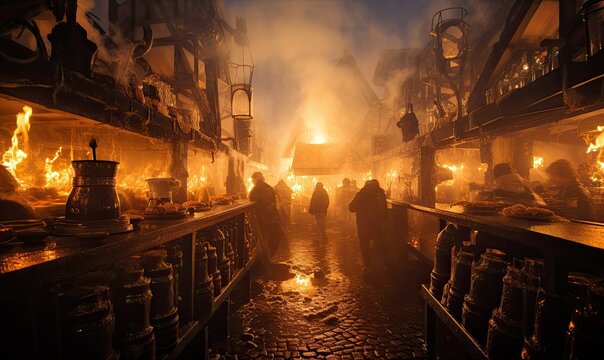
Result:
pixel 329 309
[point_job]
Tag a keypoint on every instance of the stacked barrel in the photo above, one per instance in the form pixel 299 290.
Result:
pixel 500 302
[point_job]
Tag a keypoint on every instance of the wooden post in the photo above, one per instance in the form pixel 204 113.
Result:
pixel 178 168
pixel 427 176
pixel 522 156
pixel 486 156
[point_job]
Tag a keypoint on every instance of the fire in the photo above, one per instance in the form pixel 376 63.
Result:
pixel 14 156
pixel 538 162
pixel 197 182
pixel 298 190
pixel 318 137
pixel 453 168
pixel 598 143
pixel 61 178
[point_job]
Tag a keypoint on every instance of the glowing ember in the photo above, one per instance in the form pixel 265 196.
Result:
pixel 599 141
pixel 537 162
pixel 14 156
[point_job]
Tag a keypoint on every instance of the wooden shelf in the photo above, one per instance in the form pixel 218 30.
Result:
pixel 66 257
pixel 458 331
pixel 82 98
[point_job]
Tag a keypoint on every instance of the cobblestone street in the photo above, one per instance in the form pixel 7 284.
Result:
pixel 331 309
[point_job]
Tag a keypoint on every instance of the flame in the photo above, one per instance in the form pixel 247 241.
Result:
pixel 197 182
pixel 538 162
pixel 453 168
pixel 14 156
pixel 598 143
pixel 61 178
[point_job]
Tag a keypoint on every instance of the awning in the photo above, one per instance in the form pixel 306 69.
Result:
pixel 326 159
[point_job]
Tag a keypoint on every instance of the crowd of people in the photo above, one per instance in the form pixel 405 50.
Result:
pixel 273 208
pixel 562 190
pixel 368 204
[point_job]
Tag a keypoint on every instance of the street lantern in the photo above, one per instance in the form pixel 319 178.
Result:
pixel 241 89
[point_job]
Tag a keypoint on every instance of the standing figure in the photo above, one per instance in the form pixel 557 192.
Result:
pixel 284 202
pixel 266 211
pixel 369 204
pixel 344 195
pixel 319 202
pixel 511 187
pixel 576 198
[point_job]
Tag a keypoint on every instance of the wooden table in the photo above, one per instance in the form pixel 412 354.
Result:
pixel 564 246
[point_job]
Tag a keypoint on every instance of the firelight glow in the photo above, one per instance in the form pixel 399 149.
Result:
pixel 537 162
pixel 318 137
pixel 599 141
pixel 14 156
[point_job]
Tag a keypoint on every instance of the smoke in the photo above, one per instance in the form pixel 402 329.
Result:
pixel 296 45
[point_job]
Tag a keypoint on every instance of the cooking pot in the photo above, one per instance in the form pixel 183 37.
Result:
pixel 93 196
pixel 160 190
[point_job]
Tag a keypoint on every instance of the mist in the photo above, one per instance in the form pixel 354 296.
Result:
pixel 296 45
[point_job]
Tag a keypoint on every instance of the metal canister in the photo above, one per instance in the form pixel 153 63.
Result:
pixel 586 328
pixel 204 286
pixel 162 282
pixel 459 284
pixel 164 315
pixel 87 324
pixel 175 258
pixel 447 238
pixel 213 270
pixel 222 261
pixel 533 269
pixel 551 320
pixel 132 301
pixel 485 293
pixel 504 338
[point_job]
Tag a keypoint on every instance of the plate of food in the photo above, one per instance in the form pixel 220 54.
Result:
pixel 165 211
pixel 480 207
pixel 520 211
pixel 225 199
pixel 198 206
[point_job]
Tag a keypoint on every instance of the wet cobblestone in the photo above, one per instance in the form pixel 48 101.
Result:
pixel 331 309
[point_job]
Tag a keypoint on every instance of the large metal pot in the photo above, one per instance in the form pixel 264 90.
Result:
pixel 93 196
pixel 160 190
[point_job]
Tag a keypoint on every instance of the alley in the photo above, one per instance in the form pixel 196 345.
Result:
pixel 331 309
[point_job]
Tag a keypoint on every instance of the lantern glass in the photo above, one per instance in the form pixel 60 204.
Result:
pixel 242 102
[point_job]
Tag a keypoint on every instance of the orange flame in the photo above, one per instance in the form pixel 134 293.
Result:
pixel 599 141
pixel 57 178
pixel 14 156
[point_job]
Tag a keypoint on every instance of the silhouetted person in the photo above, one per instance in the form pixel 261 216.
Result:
pixel 284 202
pixel 266 212
pixel 369 204
pixel 319 202
pixel 577 199
pixel 344 195
pixel 511 187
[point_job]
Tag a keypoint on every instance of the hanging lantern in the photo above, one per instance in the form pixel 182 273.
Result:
pixel 241 90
